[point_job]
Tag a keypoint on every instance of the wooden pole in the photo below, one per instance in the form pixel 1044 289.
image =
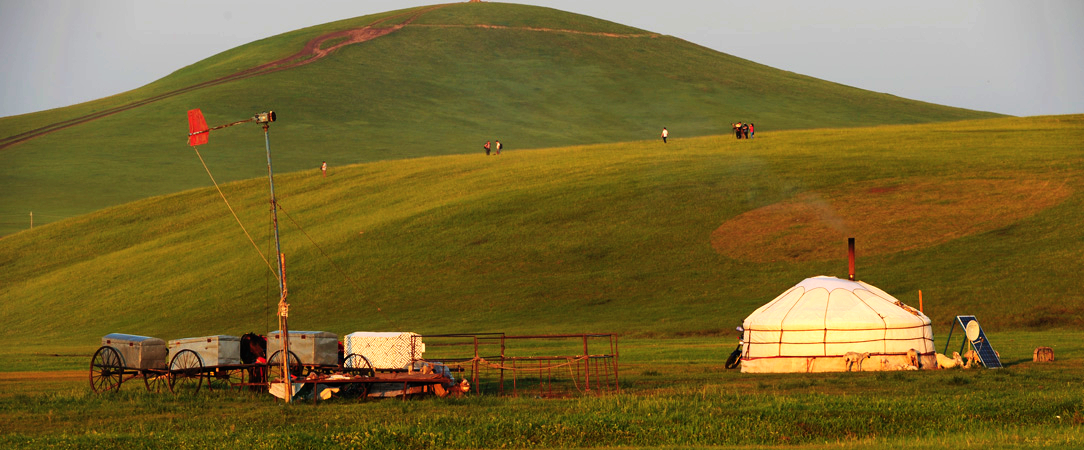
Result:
pixel 920 301
pixel 284 306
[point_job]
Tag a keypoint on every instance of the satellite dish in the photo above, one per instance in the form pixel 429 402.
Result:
pixel 973 330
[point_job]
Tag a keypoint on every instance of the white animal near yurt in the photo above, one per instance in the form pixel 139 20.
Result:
pixel 814 325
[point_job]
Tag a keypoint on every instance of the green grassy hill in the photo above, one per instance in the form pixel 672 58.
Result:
pixel 453 77
pixel 610 238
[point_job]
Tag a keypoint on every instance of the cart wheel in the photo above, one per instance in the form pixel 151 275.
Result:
pixel 185 372
pixel 274 366
pixel 229 378
pixel 155 381
pixel 354 390
pixel 106 370
pixel 358 365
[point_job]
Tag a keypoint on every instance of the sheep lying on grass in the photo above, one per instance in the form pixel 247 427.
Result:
pixel 912 358
pixel 853 358
pixel 972 357
pixel 945 362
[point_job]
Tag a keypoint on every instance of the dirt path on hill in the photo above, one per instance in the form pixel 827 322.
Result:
pixel 313 51
pixel 545 30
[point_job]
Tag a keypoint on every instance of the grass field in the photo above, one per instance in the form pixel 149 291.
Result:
pixel 675 394
pixel 619 238
pixel 535 78
pixel 599 228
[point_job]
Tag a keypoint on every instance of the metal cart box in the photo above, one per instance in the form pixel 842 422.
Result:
pixel 212 350
pixel 138 352
pixel 385 351
pixel 313 348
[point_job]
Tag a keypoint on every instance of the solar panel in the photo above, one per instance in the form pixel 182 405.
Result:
pixel 974 334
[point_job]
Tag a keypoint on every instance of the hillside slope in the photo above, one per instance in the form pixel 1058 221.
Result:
pixel 614 237
pixel 430 81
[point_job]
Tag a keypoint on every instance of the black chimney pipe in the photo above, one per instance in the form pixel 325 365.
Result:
pixel 850 256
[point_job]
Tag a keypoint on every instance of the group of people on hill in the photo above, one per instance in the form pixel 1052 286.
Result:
pixel 743 130
pixel 497 146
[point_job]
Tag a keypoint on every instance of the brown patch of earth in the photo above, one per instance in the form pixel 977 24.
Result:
pixel 53 374
pixel 884 216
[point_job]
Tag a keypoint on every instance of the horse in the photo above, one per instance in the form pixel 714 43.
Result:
pixel 253 351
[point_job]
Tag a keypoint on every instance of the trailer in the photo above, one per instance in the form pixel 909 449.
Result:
pixel 212 360
pixel 123 357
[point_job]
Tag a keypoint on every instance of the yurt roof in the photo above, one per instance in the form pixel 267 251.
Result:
pixel 830 302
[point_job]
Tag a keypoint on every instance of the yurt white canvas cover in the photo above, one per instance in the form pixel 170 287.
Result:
pixel 811 326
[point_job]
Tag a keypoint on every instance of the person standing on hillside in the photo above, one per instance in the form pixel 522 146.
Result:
pixel 486 147
pixel 499 146
pixel 737 130
pixel 664 134
pixel 745 130
pixel 323 168
pixel 752 132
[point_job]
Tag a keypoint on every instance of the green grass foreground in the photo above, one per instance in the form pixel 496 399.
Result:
pixel 675 395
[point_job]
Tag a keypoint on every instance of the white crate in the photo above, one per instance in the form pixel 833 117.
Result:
pixel 385 351
pixel 138 352
pixel 313 348
pixel 212 350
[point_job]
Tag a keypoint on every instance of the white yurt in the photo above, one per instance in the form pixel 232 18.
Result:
pixel 812 326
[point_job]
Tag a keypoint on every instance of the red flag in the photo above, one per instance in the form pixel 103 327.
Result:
pixel 197 124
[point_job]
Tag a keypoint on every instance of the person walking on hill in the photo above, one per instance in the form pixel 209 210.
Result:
pixel 745 130
pixel 752 132
pixel 664 134
pixel 323 168
pixel 486 147
pixel 499 146
pixel 737 130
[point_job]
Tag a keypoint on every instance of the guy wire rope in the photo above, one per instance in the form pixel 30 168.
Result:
pixel 262 256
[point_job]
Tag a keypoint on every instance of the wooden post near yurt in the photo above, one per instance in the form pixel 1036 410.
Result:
pixel 920 302
pixel 850 257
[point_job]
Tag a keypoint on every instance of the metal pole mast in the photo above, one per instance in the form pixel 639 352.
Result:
pixel 284 307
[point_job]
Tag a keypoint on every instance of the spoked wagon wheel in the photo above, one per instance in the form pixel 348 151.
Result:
pixel 185 372
pixel 228 379
pixel 155 381
pixel 106 370
pixel 274 366
pixel 358 365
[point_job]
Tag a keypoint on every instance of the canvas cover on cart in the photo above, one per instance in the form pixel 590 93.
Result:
pixel 313 348
pixel 138 352
pixel 213 350
pixel 385 350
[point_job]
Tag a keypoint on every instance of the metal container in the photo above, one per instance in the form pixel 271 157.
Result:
pixel 385 351
pixel 313 348
pixel 212 350
pixel 138 352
